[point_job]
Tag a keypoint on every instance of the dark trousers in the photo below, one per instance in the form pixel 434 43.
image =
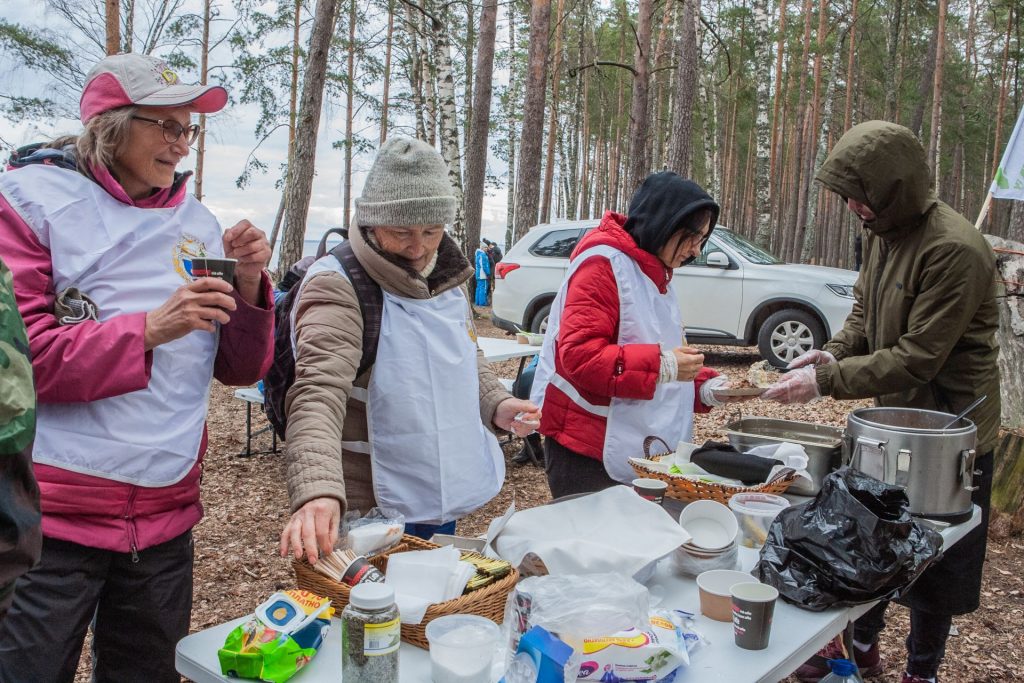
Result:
pixel 140 608
pixel 926 643
pixel 425 531
pixel 570 472
pixel 949 587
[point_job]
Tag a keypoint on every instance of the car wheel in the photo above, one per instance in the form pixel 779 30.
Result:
pixel 787 334
pixel 540 319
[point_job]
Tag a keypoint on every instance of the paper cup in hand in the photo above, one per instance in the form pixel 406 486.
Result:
pixel 753 605
pixel 221 268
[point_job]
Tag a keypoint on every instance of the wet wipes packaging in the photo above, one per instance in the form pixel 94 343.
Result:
pixel 651 654
pixel 281 637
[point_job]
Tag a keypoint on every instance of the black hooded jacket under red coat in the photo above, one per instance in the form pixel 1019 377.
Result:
pixel 587 353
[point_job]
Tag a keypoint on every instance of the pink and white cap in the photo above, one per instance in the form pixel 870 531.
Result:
pixel 127 79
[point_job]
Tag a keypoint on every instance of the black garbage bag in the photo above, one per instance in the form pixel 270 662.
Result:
pixel 855 542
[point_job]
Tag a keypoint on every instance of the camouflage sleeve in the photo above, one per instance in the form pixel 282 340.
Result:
pixel 19 505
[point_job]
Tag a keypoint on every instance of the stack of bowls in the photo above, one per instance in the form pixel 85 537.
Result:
pixel 713 531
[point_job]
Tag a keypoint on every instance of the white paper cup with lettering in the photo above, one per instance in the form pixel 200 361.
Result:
pixel 651 489
pixel 753 605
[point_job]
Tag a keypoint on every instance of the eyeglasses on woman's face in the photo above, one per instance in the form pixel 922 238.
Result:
pixel 173 130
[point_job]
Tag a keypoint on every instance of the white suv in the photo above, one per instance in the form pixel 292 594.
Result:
pixel 736 293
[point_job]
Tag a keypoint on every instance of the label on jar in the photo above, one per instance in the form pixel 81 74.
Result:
pixel 382 639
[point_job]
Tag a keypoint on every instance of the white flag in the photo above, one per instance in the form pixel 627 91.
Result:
pixel 1009 181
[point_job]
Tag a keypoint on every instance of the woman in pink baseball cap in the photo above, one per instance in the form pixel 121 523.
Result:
pixel 100 232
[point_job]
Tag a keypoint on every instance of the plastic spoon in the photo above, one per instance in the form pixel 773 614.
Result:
pixel 963 413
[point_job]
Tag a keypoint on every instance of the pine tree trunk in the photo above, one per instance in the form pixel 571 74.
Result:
pixel 680 148
pixel 385 97
pixel 848 110
pixel 510 118
pixel 476 151
pixel 204 63
pixel 468 80
pixel 300 183
pixel 549 163
pixel 350 86
pixel 762 185
pixel 1003 90
pixel 935 128
pixel 799 213
pixel 113 22
pixel 528 176
pixel 778 120
pixel 926 84
pixel 638 165
pixel 892 84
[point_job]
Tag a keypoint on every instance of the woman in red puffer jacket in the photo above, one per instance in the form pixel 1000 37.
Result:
pixel 615 367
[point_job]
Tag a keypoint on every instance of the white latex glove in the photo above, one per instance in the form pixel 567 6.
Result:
pixel 796 386
pixel 708 387
pixel 812 357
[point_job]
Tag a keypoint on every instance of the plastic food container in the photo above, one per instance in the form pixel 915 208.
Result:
pixel 461 648
pixel 755 512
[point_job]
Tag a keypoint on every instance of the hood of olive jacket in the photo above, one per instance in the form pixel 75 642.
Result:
pixel 884 166
pixel 922 330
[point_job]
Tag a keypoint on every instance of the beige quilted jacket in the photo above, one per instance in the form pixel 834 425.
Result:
pixel 328 332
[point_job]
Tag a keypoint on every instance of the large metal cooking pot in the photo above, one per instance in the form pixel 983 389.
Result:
pixel 912 448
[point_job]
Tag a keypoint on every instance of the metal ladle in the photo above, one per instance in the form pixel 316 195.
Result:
pixel 963 413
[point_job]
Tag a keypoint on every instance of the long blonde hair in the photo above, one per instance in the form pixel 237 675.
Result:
pixel 104 137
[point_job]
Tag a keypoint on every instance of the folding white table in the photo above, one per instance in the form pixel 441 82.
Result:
pixel 796 635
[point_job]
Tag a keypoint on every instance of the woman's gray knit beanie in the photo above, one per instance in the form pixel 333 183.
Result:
pixel 407 185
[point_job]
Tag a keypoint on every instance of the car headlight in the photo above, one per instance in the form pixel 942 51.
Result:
pixel 845 291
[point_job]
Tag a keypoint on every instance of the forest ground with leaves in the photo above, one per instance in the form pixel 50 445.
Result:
pixel 237 565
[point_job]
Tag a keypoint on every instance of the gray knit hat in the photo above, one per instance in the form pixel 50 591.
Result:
pixel 407 185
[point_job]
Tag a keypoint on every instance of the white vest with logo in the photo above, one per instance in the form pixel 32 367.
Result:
pixel 431 457
pixel 127 260
pixel 646 316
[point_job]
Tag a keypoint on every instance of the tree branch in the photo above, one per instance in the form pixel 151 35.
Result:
pixel 599 62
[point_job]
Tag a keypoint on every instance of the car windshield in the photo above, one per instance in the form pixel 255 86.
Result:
pixel 747 250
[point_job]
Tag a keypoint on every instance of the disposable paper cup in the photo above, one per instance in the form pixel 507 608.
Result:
pixel 461 648
pixel 221 268
pixel 714 587
pixel 651 489
pixel 753 605
pixel 711 525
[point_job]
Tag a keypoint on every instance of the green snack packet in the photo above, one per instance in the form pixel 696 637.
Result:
pixel 282 636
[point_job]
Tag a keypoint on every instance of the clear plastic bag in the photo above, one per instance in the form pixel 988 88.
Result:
pixel 376 532
pixel 688 565
pixel 576 604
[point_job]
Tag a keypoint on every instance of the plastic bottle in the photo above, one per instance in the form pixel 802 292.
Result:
pixel 370 635
pixel 843 671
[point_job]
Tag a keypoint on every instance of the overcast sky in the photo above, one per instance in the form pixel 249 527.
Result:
pixel 230 139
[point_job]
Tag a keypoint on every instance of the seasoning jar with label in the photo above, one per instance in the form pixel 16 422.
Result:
pixel 371 633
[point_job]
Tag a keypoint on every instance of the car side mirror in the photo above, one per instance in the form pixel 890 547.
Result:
pixel 717 259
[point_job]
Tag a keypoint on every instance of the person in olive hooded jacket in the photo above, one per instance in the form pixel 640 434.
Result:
pixel 921 335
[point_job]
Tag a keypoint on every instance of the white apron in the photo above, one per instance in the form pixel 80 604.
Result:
pixel 431 456
pixel 127 260
pixel 646 316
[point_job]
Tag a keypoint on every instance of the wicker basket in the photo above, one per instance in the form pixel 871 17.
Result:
pixel 488 601
pixel 689 490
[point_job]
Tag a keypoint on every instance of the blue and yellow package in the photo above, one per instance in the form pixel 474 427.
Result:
pixel 281 637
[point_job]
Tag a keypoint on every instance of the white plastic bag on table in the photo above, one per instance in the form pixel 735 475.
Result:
pixel 688 565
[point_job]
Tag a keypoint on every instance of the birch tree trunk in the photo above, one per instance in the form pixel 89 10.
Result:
pixel 680 148
pixel 762 184
pixel 293 109
pixel 638 163
pixel 778 121
pixel 476 151
pixel 528 175
pixel 510 103
pixel 300 182
pixel 448 122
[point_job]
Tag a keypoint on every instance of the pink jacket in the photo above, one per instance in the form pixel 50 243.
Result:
pixel 90 361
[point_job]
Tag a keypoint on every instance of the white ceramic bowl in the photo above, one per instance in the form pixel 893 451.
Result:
pixel 711 525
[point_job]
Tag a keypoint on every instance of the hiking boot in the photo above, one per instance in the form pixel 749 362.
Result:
pixel 907 678
pixel 869 663
pixel 523 456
